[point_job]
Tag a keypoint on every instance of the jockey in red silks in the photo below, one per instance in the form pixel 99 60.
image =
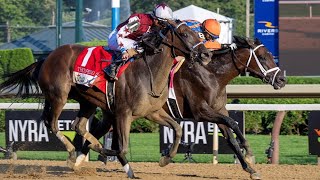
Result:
pixel 124 37
pixel 208 32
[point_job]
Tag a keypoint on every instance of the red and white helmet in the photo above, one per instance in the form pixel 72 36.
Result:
pixel 162 11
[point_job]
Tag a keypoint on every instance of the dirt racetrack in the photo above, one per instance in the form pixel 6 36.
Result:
pixel 35 169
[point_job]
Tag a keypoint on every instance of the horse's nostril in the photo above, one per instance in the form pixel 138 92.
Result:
pixel 206 55
pixel 283 79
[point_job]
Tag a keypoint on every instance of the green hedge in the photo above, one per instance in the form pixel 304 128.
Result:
pixel 14 60
pixel 261 122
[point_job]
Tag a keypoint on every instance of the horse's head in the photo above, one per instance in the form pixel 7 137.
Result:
pixel 260 62
pixel 184 41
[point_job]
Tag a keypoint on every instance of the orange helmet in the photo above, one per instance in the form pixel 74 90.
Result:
pixel 212 26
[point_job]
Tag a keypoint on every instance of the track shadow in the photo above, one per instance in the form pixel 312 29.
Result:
pixel 193 175
pixel 33 169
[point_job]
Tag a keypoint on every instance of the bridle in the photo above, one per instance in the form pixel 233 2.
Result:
pixel 190 51
pixel 170 43
pixel 263 74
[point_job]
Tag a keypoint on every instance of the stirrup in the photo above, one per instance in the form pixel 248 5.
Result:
pixel 111 72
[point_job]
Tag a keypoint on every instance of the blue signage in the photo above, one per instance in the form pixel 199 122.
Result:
pixel 266 25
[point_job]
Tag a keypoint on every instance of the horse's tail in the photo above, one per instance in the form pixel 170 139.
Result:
pixel 24 81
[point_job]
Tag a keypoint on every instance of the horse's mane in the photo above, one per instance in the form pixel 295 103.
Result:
pixel 241 42
pixel 153 39
pixel 219 56
pixel 244 42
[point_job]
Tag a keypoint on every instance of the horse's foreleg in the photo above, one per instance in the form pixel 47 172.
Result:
pixel 120 141
pixel 121 156
pixel 162 118
pixel 82 130
pixel 80 125
pixel 94 143
pixel 208 114
pixel 228 122
pixel 235 146
pixel 99 130
pixel 243 141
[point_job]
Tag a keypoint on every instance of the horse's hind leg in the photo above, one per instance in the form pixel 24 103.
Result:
pixel 162 118
pixel 56 106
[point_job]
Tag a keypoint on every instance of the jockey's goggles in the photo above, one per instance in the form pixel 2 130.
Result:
pixel 214 36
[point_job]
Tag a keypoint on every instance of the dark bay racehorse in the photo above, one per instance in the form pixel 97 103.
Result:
pixel 201 90
pixel 140 92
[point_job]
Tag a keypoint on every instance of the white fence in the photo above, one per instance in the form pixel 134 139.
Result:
pixel 239 107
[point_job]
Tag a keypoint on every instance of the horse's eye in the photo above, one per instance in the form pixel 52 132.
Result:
pixel 261 58
pixel 184 35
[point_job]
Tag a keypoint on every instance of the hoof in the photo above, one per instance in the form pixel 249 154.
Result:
pixel 129 171
pixel 71 163
pixel 164 160
pixel 255 176
pixel 80 159
pixel 131 175
pixel 72 159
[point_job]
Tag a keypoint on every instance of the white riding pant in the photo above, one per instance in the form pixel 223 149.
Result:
pixel 113 43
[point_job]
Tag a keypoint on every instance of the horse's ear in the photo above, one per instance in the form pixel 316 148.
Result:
pixel 235 39
pixel 178 21
pixel 162 24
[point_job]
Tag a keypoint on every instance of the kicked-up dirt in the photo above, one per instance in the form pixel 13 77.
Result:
pixel 37 169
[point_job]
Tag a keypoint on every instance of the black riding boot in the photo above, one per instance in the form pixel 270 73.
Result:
pixel 111 71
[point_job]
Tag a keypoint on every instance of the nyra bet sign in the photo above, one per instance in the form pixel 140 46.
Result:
pixel 200 134
pixel 314 132
pixel 29 133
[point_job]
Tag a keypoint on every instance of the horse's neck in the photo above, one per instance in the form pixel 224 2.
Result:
pixel 160 66
pixel 225 69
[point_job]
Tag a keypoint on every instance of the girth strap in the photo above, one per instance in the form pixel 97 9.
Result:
pixel 110 86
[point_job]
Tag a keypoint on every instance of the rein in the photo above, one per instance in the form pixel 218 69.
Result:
pixel 152 93
pixel 170 44
pixel 263 72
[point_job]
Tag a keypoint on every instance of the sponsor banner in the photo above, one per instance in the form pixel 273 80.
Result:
pixel 266 25
pixel 200 134
pixel 29 134
pixel 314 132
